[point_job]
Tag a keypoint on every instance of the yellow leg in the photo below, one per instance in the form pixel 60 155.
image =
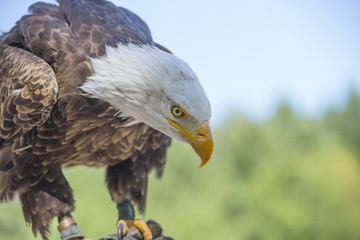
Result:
pixel 143 227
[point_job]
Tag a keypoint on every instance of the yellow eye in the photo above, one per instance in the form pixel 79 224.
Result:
pixel 177 111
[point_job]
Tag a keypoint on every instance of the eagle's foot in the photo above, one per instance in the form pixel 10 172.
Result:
pixel 131 229
pixel 68 228
pixel 127 220
pixel 125 225
pixel 135 233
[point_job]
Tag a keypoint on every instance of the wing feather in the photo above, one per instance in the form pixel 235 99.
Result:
pixel 28 90
pixel 99 23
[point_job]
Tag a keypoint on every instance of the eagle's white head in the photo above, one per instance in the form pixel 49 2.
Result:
pixel 155 87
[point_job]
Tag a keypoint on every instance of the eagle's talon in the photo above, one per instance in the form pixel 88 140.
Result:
pixel 122 229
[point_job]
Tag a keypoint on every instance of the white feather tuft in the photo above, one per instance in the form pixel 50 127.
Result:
pixel 17 91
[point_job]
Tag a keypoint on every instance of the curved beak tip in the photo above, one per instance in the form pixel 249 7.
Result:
pixel 203 143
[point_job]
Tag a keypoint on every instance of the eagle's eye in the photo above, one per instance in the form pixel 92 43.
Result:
pixel 177 111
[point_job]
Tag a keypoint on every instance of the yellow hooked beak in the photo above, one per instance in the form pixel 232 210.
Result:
pixel 202 142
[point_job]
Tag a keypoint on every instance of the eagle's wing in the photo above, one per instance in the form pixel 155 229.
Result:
pixel 28 90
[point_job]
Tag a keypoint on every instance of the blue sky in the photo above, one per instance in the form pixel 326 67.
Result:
pixel 251 54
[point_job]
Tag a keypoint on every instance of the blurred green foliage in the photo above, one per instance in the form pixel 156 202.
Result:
pixel 287 178
pixel 346 122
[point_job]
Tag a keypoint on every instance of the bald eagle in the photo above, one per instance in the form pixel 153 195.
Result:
pixel 83 83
